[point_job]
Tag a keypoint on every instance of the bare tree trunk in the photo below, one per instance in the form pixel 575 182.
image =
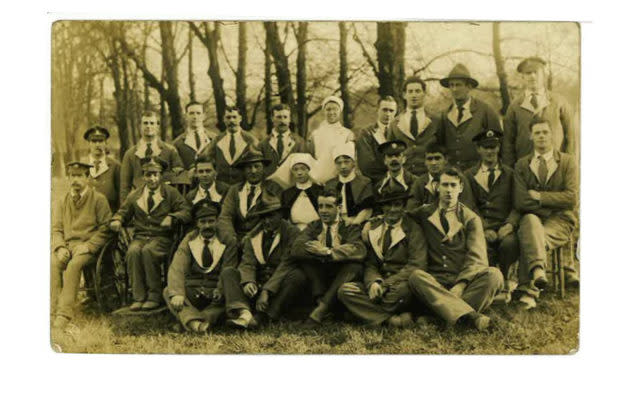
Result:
pixel 301 79
pixel 390 46
pixel 89 115
pixel 170 66
pixel 241 75
pixel 280 60
pixel 343 77
pixel 502 75
pixel 192 79
pixel 268 89
pixel 163 110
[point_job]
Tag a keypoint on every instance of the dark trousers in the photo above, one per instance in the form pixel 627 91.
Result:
pixel 144 262
pixel 503 253
pixel 325 278
pixel 355 296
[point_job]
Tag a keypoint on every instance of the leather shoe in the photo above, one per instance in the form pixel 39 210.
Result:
pixel 135 306
pixel 479 321
pixel 150 305
pixel 319 312
pixel 503 298
pixel 403 320
pixel 540 278
pixel 244 320
pixel 571 279
pixel 61 322
pixel 527 302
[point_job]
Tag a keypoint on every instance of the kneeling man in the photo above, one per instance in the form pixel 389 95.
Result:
pixel 458 284
pixel 395 248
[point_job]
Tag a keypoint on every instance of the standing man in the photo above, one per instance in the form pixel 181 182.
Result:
pixel 300 202
pixel 458 284
pixel 492 189
pixel 208 187
pixel 79 230
pixel 394 160
pixel 536 101
pixel 370 159
pixel 105 172
pixel 196 288
pixel 280 142
pixel 196 139
pixel 330 253
pixel 241 198
pixel 414 126
pixel 149 146
pixel 395 248
pixel 355 190
pixel 153 211
pixel 465 118
pixel 230 146
pixel 546 195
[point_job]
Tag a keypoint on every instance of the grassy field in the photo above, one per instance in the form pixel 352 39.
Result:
pixel 550 329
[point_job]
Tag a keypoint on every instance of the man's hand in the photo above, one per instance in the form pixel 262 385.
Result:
pixel 375 290
pixel 490 235
pixel 216 296
pixel 315 247
pixel 458 289
pixel 166 222
pixel 177 301
pixel 504 231
pixel 535 195
pixel 81 249
pixel 263 301
pixel 250 289
pixel 115 225
pixel 63 254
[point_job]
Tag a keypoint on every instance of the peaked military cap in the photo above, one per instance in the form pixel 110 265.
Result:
pixel 487 137
pixel 530 64
pixel 392 147
pixel 96 133
pixel 154 163
pixel 205 208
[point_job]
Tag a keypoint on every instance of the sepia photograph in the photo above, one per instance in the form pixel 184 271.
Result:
pixel 315 187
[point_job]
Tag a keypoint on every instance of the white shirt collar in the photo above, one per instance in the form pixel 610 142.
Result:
pixel 285 135
pixel 381 127
pixel 485 168
pixel 547 157
pixel 348 178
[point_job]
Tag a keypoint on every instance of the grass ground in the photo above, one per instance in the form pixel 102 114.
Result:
pixel 552 328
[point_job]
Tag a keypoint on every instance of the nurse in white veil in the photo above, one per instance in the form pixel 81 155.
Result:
pixel 328 135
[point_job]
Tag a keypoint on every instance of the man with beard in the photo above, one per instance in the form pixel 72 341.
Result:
pixel 394 159
pixel 149 146
pixel 202 273
pixel 208 187
pixel 300 202
pixel 280 143
pixel 458 284
pixel 370 159
pixel 415 126
pixel 465 118
pixel 395 248
pixel 355 190
pixel 153 211
pixel 330 253
pixel 196 139
pixel 492 187
pixel 228 149
pixel 241 198
pixel 105 172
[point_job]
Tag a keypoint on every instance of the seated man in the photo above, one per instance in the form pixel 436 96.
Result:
pixel 492 189
pixel 208 187
pixel 330 253
pixel 234 222
pixel 458 284
pixel 300 202
pixel 546 194
pixel 105 173
pixel 201 274
pixel 265 269
pixel 393 156
pixel 395 248
pixel 425 188
pixel 355 190
pixel 152 211
pixel 79 230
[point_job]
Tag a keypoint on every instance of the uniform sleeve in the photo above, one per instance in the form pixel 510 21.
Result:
pixel 176 160
pixel 493 120
pixel 125 213
pixel 417 194
pixel 568 128
pixel 229 259
pixel 126 176
pixel 508 152
pixel 117 169
pixel 248 263
pixel 567 198
pixel 365 154
pixel 285 265
pixel 177 270
pixel 228 211
pixel 298 251
pixel 476 258
pixel 180 208
pixel 352 247
pixel 57 228
pixel 417 256
pixel 522 201
pixel 371 270
pixel 103 214
pixel 466 196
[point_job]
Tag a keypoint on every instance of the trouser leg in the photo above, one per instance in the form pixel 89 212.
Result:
pixel 57 268
pixel 557 234
pixel 234 298
pixel 532 246
pixel 135 270
pixel 153 254
pixel 345 273
pixel 316 276
pixel 508 253
pixel 426 289
pixel 188 313
pixel 71 282
pixel 481 291
pixel 292 286
pixel 355 297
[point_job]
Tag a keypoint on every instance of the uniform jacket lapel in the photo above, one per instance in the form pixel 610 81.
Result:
pixel 454 227
pixel 404 121
pixel 104 167
pixel 256 244
pixel 197 245
pixel 223 145
pixel 156 148
pixel 452 115
pixel 190 141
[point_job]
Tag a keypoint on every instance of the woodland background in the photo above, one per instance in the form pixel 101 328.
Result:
pixel 109 72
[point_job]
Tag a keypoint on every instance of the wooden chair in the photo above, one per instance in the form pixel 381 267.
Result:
pixel 558 260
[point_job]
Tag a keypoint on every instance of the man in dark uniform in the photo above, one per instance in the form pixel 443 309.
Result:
pixel 355 190
pixel 465 118
pixel 196 139
pixel 202 273
pixel 395 248
pixel 300 202
pixel 208 187
pixel 394 160
pixel 105 173
pixel 330 253
pixel 370 159
pixel 153 211
pixel 492 186
pixel 415 126
pixel 280 142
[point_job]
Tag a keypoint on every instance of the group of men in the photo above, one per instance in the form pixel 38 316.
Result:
pixel 418 214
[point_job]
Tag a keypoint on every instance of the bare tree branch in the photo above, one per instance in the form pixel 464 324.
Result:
pixel 366 54
pixel 445 54
pixel 226 59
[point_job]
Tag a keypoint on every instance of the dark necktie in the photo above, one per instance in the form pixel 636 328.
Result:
pixel 328 239
pixel 207 258
pixel 492 176
pixel 198 142
pixel 414 124
pixel 349 202
pixel 232 145
pixel 534 100
pixel 280 145
pixel 149 201
pixel 96 165
pixel 75 198
pixel 460 113
pixel 542 170
pixel 267 241
pixel 252 194
pixel 148 152
pixel 386 240
pixel 207 194
pixel 443 221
